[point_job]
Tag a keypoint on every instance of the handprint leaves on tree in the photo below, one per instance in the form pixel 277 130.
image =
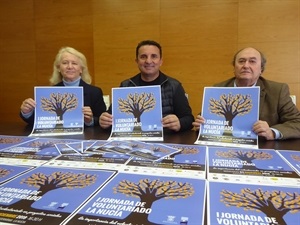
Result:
pixel 136 104
pixel 45 183
pixel 59 103
pixel 149 191
pixel 274 204
pixel 245 156
pixel 229 106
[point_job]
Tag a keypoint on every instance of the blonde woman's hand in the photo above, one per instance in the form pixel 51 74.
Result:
pixel 28 105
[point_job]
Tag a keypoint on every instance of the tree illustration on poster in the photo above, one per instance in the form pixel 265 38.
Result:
pixel 59 104
pixel 230 106
pixel 246 156
pixel 136 104
pixel 56 180
pixel 151 150
pixel 115 146
pixel 160 149
pixel 4 172
pixel 274 204
pixel 38 146
pixel 150 191
pixel 295 157
pixel 11 140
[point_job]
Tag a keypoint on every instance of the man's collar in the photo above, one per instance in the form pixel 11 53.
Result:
pixel 234 84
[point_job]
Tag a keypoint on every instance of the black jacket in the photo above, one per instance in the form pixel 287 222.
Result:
pixel 174 100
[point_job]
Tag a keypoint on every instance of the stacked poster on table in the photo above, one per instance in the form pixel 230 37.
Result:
pixel 8 141
pixel 292 158
pixel 85 144
pixel 145 199
pixel 35 151
pixel 252 204
pixel 48 195
pixel 179 161
pixel 92 158
pixel 58 111
pixel 137 114
pixel 229 114
pixel 8 172
pixel 137 149
pixel 259 166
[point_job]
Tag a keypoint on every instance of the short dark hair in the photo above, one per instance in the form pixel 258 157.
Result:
pixel 148 42
pixel 263 58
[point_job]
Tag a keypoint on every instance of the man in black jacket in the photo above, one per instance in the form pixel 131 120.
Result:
pixel 177 113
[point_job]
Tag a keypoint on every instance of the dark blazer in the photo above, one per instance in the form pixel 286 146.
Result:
pixel 92 97
pixel 275 107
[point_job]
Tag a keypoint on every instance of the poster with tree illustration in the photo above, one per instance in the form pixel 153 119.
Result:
pixel 229 114
pixel 292 158
pixel 258 166
pixel 138 149
pixel 145 199
pixel 8 172
pixel 8 141
pixel 137 113
pixel 48 195
pixel 34 152
pixel 252 204
pixel 58 111
pixel 38 146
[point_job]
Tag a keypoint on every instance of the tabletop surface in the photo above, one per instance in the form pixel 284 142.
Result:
pixel 96 133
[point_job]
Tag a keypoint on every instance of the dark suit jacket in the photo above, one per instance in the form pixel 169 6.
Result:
pixel 275 107
pixel 92 97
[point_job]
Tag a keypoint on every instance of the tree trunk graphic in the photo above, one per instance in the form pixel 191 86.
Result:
pixel 136 104
pixel 171 158
pixel 249 167
pixel 59 103
pixel 59 114
pixel 272 212
pixel 228 117
pixel 249 164
pixel 26 204
pixel 246 157
pixel 229 106
pixel 137 114
pixel 54 181
pixel 273 203
pixel 141 218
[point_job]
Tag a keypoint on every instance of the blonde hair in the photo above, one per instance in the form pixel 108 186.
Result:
pixel 56 75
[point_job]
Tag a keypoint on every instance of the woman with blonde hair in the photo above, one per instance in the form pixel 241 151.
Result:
pixel 70 69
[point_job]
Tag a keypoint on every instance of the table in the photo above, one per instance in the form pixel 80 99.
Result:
pixel 19 128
